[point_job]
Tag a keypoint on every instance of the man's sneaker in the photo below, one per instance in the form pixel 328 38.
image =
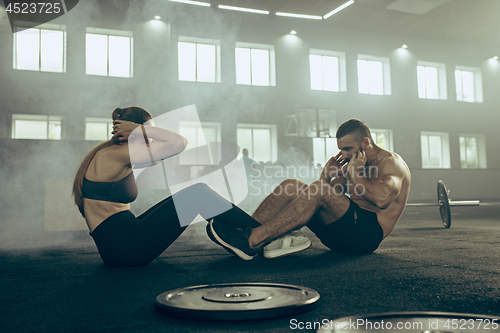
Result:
pixel 211 236
pixel 234 238
pixel 291 242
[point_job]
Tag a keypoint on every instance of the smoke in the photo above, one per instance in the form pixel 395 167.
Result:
pixel 37 175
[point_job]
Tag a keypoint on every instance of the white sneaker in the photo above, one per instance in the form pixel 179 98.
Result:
pixel 294 241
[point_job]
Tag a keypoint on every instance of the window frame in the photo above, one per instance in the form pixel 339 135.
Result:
pixel 40 118
pixel 114 33
pixel 272 62
pixel 481 150
pixel 342 78
pixel 388 136
pixel 206 41
pixel 326 142
pixel 202 125
pixel 442 81
pixel 386 73
pixel 274 138
pixel 478 83
pixel 445 149
pixel 46 26
pixel 93 120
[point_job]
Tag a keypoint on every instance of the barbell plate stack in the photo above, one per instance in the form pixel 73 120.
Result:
pixel 444 202
pixel 236 301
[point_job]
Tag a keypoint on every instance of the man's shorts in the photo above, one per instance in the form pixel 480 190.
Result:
pixel 356 232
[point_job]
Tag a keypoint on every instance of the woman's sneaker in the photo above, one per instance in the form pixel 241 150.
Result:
pixel 292 242
pixel 234 239
pixel 211 236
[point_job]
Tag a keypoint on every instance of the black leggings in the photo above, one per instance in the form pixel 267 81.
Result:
pixel 126 240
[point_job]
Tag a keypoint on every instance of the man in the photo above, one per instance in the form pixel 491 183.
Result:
pixel 247 161
pixel 378 184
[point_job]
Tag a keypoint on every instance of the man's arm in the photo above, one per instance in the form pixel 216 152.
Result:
pixel 333 168
pixel 382 191
pixel 339 182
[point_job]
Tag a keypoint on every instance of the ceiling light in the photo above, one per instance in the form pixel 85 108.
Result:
pixel 404 46
pixel 157 17
pixel 293 32
pixel 197 3
pixel 338 9
pixel 311 17
pixel 240 9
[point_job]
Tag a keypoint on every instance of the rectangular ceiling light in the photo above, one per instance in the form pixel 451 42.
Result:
pixel 311 17
pixel 248 10
pixel 338 9
pixel 197 3
pixel 416 6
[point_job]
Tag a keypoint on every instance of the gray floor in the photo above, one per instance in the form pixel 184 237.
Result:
pixel 420 267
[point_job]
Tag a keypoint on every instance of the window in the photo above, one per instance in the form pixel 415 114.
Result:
pixel 199 59
pixel 108 53
pixel 260 140
pixel 469 84
pixel 374 75
pixel 98 129
pixel 327 70
pixel 199 135
pixel 383 138
pixel 431 80
pixel 435 150
pixel 472 151
pixel 25 126
pixel 42 49
pixel 324 149
pixel 255 64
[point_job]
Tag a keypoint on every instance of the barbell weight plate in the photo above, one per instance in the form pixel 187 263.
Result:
pixel 413 322
pixel 444 202
pixel 236 301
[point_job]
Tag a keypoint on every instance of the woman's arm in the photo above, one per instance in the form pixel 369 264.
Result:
pixel 146 144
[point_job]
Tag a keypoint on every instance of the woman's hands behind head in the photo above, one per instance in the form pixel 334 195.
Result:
pixel 123 128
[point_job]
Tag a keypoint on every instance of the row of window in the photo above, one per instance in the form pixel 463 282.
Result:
pixel 435 147
pixel 110 53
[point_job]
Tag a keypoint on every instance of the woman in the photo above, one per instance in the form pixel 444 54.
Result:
pixel 104 186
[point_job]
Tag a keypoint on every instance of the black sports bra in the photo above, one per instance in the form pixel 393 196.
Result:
pixel 122 191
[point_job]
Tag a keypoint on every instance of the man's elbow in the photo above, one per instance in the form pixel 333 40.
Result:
pixel 383 206
pixel 384 203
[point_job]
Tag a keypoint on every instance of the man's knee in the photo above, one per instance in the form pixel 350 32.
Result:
pixel 290 187
pixel 325 193
pixel 293 182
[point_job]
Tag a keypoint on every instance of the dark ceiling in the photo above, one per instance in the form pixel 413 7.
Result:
pixel 461 21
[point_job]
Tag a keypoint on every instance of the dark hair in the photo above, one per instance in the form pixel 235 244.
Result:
pixel 133 113
pixel 355 127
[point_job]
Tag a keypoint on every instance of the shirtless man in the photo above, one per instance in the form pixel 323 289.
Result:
pixel 377 181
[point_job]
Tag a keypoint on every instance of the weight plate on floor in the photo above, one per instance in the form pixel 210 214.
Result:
pixel 444 204
pixel 413 322
pixel 236 301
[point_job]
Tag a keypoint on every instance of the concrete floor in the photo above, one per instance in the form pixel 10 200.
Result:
pixel 420 267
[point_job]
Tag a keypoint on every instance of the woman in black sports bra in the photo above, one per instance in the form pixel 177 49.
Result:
pixel 122 238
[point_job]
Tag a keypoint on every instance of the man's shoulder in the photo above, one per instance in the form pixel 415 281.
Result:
pixel 392 162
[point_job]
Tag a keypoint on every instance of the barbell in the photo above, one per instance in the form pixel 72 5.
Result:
pixel 445 203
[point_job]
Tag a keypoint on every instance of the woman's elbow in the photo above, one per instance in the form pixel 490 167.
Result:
pixel 181 145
